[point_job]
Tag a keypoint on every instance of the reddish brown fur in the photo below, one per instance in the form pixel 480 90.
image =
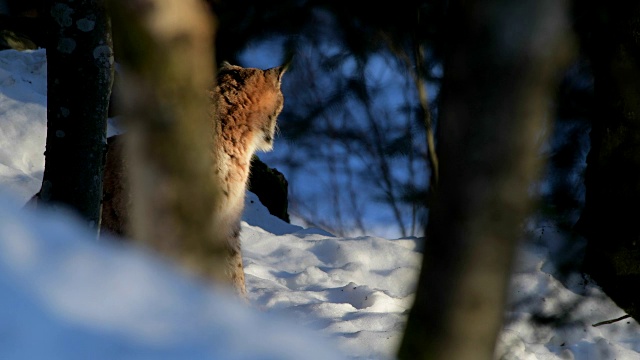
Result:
pixel 245 105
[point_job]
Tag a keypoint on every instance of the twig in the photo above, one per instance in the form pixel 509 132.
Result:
pixel 423 98
pixel 424 104
pixel 611 321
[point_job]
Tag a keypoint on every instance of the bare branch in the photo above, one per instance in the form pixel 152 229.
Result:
pixel 607 322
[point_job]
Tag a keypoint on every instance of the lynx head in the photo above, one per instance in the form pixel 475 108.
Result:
pixel 256 94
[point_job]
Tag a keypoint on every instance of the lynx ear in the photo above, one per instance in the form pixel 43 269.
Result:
pixel 225 64
pixel 282 69
pixel 275 73
pixel 279 72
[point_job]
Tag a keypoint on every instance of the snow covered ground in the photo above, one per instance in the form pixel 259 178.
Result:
pixel 64 295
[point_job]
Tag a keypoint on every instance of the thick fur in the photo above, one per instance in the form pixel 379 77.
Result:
pixel 248 104
pixel 245 105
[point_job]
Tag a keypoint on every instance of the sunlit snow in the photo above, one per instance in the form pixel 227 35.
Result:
pixel 65 295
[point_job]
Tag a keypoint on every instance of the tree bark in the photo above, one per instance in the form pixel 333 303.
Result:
pixel 166 51
pixel 79 79
pixel 611 35
pixel 500 73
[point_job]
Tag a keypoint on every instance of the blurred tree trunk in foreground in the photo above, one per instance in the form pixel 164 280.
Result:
pixel 166 51
pixel 611 34
pixel 500 74
pixel 79 78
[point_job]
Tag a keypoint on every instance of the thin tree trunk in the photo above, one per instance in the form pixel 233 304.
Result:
pixel 611 34
pixel 499 75
pixel 166 49
pixel 79 79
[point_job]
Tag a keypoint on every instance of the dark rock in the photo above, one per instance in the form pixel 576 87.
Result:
pixel 271 187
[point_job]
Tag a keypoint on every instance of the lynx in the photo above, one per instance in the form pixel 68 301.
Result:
pixel 247 103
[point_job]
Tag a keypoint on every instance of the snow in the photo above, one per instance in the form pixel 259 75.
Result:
pixel 312 295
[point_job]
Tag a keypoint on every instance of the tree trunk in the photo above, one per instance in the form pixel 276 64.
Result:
pixel 79 78
pixel 611 34
pixel 166 52
pixel 500 73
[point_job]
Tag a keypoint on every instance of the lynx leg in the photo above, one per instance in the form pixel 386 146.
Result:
pixel 236 269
